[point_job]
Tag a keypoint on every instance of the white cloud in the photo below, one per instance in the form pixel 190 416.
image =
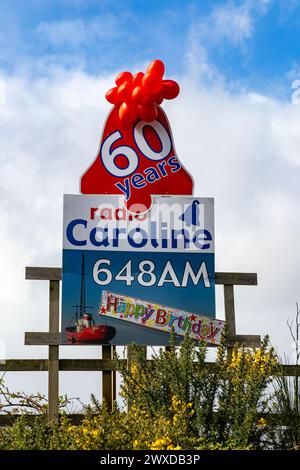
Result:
pixel 198 65
pixel 79 32
pixel 287 138
pixel 241 149
pixel 61 32
pixel 2 92
pixel 262 5
pixel 229 24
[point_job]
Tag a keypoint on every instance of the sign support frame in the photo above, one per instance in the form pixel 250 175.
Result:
pixel 52 337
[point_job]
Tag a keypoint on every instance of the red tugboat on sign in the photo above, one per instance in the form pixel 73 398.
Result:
pixel 85 330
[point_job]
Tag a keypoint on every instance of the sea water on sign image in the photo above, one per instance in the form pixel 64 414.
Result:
pixel 162 257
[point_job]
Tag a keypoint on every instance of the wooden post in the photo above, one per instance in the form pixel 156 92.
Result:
pixel 53 365
pixel 108 378
pixel 114 377
pixel 132 353
pixel 229 310
pixel 229 313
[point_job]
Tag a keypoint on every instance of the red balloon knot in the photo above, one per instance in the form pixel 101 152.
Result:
pixel 137 96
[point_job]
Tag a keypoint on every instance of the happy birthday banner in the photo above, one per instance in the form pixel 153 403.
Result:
pixel 161 317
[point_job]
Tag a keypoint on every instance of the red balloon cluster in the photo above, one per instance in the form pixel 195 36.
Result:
pixel 138 95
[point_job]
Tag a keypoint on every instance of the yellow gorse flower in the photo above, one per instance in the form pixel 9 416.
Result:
pixel 171 447
pixel 71 429
pixel 261 423
pixel 134 369
pixel 136 444
pixel 161 444
pixel 260 361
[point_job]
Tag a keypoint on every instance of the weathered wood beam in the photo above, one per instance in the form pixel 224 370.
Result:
pixel 54 274
pixel 31 365
pixel 35 365
pixel 30 419
pixel 46 339
pixel 43 273
pixel 108 378
pixel 246 340
pixel 24 365
pixel 53 364
pixel 42 339
pixel 236 279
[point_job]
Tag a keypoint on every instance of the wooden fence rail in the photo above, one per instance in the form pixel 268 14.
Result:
pixel 107 365
pixel 97 365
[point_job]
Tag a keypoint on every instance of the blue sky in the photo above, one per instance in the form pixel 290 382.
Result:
pixel 253 44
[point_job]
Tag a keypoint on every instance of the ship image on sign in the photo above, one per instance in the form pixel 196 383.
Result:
pixel 161 317
pixel 85 331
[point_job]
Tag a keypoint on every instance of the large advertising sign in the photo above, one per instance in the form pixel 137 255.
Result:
pixel 162 260
pixel 136 234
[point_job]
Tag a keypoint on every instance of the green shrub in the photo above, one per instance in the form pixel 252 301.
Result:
pixel 177 401
pixel 219 403
pixel 286 399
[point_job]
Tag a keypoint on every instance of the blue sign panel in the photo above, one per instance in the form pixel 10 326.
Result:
pixel 164 257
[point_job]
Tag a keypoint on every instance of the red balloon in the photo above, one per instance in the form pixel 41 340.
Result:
pixel 157 97
pixel 139 95
pixel 152 82
pixel 127 113
pixel 170 89
pixel 112 95
pixel 123 77
pixel 147 112
pixel 124 91
pixel 137 79
pixel 156 66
